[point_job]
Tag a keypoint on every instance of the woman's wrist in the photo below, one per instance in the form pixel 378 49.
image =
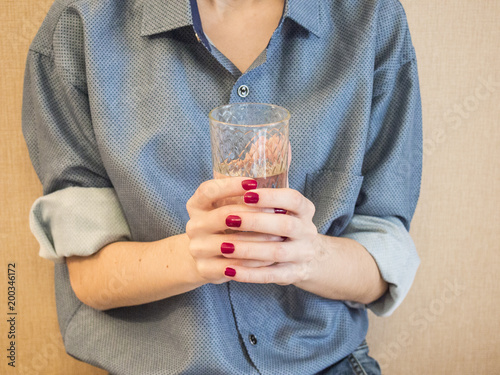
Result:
pixel 342 269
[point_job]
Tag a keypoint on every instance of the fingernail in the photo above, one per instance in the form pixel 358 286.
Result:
pixel 251 197
pixel 279 211
pixel 249 184
pixel 227 248
pixel 233 221
pixel 230 271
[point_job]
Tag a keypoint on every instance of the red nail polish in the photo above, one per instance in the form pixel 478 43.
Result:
pixel 230 271
pixel 227 248
pixel 249 184
pixel 279 211
pixel 251 197
pixel 233 221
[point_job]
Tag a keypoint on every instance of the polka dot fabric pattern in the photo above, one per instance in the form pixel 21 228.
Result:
pixel 117 95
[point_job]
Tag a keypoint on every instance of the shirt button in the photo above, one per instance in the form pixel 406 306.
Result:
pixel 253 339
pixel 243 91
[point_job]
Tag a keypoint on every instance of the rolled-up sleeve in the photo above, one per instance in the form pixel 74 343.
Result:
pixel 390 244
pixel 77 221
pixel 392 164
pixel 79 211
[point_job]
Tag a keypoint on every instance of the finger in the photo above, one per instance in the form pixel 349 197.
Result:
pixel 252 236
pixel 214 221
pixel 220 244
pixel 213 190
pixel 280 252
pixel 252 263
pixel 229 201
pixel 280 273
pixel 278 225
pixel 286 199
pixel 212 269
pixel 233 201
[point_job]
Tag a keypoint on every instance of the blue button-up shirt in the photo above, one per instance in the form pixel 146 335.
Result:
pixel 115 119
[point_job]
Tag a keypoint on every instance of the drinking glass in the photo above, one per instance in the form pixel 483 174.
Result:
pixel 250 140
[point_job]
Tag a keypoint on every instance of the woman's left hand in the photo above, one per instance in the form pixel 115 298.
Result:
pixel 293 256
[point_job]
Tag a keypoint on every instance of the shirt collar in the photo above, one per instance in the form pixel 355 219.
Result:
pixel 164 15
pixel 306 13
pixel 160 16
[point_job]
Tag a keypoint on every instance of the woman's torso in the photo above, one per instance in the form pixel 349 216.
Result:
pixel 151 85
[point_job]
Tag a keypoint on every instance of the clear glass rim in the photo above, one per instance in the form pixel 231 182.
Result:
pixel 287 117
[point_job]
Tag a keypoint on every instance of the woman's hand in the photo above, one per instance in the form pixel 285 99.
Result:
pixel 207 229
pixel 293 256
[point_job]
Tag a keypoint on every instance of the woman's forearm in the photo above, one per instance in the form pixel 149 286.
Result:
pixel 344 270
pixel 132 273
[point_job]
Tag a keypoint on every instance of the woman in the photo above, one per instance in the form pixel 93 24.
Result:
pixel 115 118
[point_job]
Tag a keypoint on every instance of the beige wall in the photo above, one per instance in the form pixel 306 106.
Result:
pixel 447 324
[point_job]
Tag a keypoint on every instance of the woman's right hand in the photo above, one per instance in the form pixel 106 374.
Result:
pixel 207 230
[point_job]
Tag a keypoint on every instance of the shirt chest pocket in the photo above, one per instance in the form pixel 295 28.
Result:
pixel 334 194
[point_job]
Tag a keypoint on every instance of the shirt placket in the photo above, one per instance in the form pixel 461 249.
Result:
pixel 249 315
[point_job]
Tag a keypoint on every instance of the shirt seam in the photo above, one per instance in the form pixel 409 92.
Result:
pixel 52 31
pixel 411 55
pixel 388 84
pixel 403 58
pixel 76 80
pixel 69 86
pixel 39 52
pixel 70 319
